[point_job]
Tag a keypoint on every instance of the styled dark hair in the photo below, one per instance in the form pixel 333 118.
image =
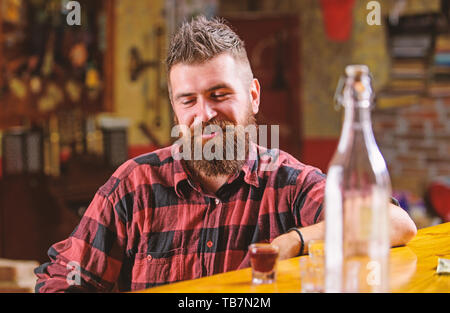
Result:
pixel 202 39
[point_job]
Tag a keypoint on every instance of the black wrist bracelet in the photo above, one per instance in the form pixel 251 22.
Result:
pixel 302 248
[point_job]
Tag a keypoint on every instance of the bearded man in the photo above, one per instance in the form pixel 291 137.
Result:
pixel 161 218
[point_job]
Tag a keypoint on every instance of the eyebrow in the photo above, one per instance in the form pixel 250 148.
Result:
pixel 219 86
pixel 215 87
pixel 181 95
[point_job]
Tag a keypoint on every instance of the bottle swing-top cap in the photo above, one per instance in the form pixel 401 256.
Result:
pixel 355 86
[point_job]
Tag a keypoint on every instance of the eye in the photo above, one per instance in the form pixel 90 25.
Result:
pixel 219 95
pixel 187 101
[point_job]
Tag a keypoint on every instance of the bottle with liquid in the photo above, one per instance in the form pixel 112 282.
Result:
pixel 357 196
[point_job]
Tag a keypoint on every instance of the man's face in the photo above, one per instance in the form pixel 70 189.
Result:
pixel 214 93
pixel 214 89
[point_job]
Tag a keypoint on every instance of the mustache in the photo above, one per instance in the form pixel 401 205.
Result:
pixel 215 123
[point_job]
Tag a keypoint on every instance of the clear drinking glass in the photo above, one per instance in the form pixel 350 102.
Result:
pixel 316 249
pixel 312 274
pixel 263 258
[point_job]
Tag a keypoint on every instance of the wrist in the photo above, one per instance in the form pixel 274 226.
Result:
pixel 296 235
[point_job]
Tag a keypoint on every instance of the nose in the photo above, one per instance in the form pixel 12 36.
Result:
pixel 205 111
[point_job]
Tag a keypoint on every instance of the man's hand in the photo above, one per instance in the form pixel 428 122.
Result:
pixel 288 244
pixel 402 227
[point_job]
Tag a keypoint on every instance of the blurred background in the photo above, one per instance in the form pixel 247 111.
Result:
pixel 78 100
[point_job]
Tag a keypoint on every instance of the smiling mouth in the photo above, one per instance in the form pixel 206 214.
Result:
pixel 209 136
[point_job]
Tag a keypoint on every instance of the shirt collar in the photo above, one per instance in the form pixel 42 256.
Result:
pixel 250 167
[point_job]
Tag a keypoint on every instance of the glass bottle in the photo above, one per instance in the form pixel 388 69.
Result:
pixel 357 196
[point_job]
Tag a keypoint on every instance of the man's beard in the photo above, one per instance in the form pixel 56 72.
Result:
pixel 230 147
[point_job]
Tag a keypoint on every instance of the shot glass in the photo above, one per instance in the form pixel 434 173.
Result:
pixel 316 250
pixel 263 258
pixel 312 275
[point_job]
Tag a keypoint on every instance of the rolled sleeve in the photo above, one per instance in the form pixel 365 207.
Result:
pixel 91 258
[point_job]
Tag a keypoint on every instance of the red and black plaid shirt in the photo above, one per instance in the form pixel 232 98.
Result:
pixel 150 224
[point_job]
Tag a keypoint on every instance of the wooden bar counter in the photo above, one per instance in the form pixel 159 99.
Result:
pixel 412 269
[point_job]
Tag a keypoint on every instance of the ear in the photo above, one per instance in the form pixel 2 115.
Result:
pixel 254 95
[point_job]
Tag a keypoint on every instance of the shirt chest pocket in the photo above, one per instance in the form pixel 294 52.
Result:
pixel 157 268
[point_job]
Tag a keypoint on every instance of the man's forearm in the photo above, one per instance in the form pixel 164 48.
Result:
pixel 402 230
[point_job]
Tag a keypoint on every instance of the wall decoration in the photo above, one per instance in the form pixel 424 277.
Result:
pixel 13 11
pixel 337 17
pixel 78 55
pixel 18 88
pixel 35 84
pixel 62 66
pixel 73 90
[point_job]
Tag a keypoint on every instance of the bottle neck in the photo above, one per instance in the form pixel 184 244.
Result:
pixel 357 116
pixel 357 123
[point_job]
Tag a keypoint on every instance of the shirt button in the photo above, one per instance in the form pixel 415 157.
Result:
pixel 149 257
pixel 217 201
pixel 209 244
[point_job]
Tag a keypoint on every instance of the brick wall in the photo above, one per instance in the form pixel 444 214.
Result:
pixel 415 142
